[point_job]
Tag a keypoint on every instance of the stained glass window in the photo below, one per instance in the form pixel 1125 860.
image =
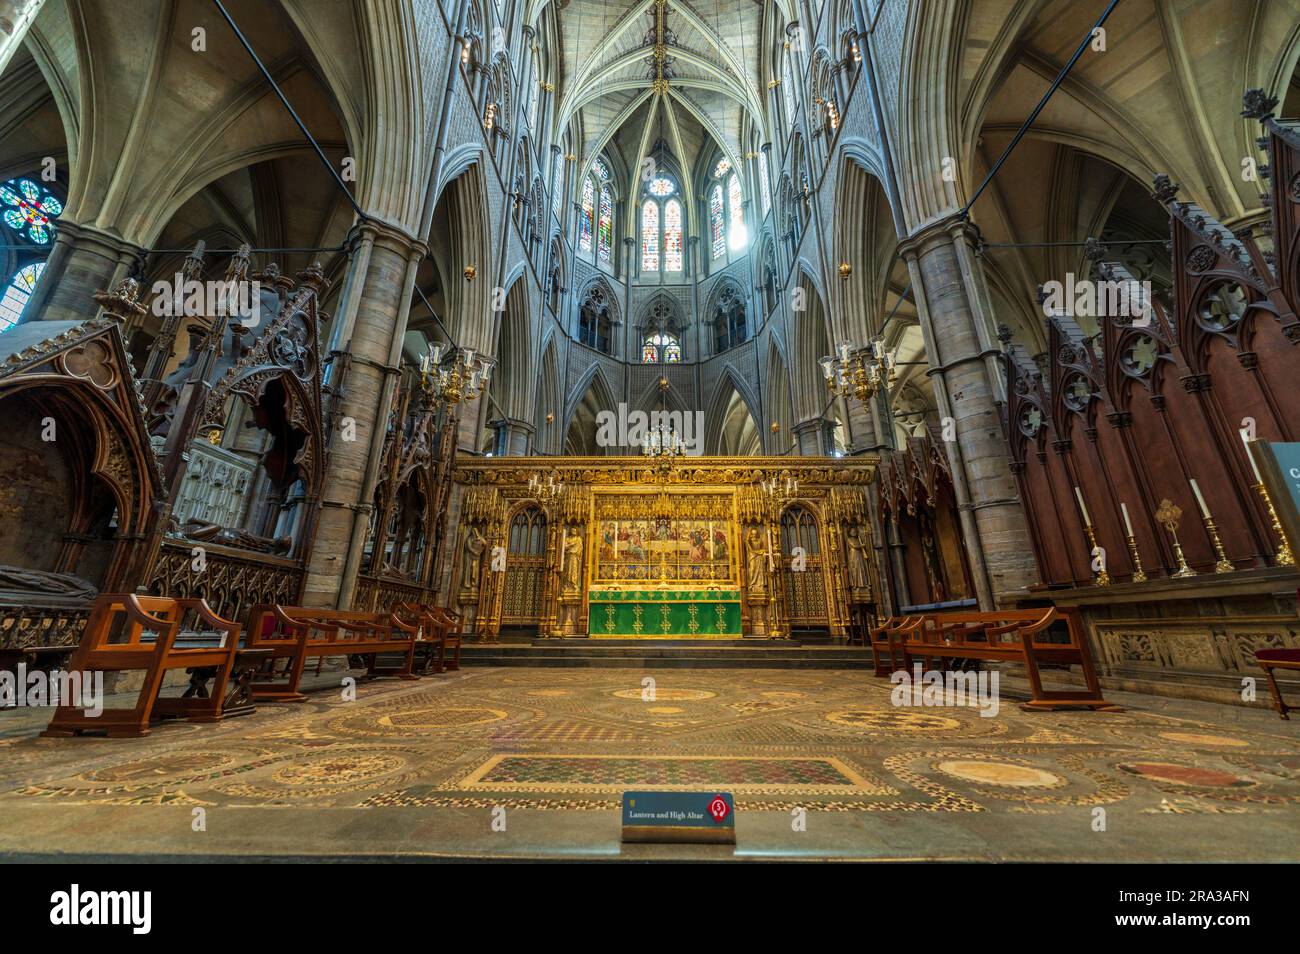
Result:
pixel 16 295
pixel 722 168
pixel 715 222
pixel 737 233
pixel 29 209
pixel 650 236
pixel 600 169
pixel 763 185
pixel 672 236
pixel 584 218
pixel 662 186
pixel 605 225
pixel 661 347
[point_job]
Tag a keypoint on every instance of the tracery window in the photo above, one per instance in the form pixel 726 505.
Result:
pixel 29 210
pixel 728 320
pixel 661 348
pixel 650 236
pixel 585 216
pixel 605 226
pixel 594 322
pixel 764 187
pixel 663 226
pixel 739 235
pixel 716 229
pixel 672 236
pixel 16 294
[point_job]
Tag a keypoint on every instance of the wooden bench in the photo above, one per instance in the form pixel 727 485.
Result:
pixel 1001 636
pixel 293 634
pixel 1270 659
pixel 439 632
pixel 882 649
pixel 127 633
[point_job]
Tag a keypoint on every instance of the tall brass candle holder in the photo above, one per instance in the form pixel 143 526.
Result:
pixel 1222 563
pixel 1139 574
pixel 1169 514
pixel 1101 577
pixel 1284 555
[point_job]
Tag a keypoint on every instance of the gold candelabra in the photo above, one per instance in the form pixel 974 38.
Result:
pixel 464 378
pixel 1169 514
pixel 859 373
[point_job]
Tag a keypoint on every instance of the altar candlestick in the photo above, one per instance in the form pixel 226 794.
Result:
pixel 1245 439
pixel 1128 525
pixel 1200 501
pixel 1083 509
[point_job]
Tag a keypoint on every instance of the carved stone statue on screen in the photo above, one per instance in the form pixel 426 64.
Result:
pixel 475 544
pixel 756 561
pixel 571 577
pixel 859 580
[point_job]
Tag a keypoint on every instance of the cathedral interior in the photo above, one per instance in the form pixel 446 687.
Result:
pixel 426 413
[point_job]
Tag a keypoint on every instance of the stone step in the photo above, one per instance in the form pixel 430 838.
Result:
pixel 668 654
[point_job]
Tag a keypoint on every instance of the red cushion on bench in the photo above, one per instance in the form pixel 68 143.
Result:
pixel 1278 655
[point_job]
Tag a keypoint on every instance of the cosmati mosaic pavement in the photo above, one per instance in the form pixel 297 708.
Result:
pixel 573 740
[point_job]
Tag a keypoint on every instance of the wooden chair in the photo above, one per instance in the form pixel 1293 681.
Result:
pixel 1270 659
pixel 293 634
pixel 126 633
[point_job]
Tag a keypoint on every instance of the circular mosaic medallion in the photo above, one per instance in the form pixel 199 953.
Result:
pixel 161 766
pixel 666 710
pixel 667 695
pixel 1197 738
pixel 338 770
pixel 1187 775
pixel 897 721
pixel 434 717
pixel 1001 773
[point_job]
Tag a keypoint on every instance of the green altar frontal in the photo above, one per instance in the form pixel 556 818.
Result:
pixel 684 614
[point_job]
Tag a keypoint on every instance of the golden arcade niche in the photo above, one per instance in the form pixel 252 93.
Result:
pixel 714 548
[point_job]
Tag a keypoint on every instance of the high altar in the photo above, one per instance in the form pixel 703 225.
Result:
pixel 711 548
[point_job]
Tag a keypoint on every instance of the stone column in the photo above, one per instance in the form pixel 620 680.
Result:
pixel 84 260
pixel 386 279
pixel 15 17
pixel 962 354
pixel 811 435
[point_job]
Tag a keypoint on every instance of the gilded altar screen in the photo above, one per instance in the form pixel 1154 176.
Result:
pixel 689 539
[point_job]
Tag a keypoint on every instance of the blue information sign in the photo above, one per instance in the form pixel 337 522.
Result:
pixel 679 816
